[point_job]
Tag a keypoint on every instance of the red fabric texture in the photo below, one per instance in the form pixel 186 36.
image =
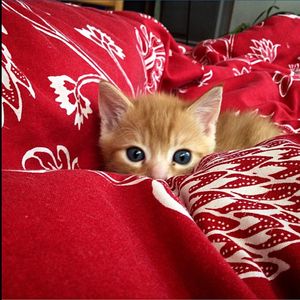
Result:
pixel 98 239
pixel 229 230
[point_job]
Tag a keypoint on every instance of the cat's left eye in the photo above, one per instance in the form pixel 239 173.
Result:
pixel 182 156
pixel 135 154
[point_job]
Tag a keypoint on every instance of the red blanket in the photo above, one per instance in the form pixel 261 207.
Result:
pixel 229 230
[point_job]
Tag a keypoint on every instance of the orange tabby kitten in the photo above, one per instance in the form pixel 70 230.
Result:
pixel 161 136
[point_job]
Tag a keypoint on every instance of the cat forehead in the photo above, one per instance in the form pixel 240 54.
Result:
pixel 159 101
pixel 157 111
pixel 161 120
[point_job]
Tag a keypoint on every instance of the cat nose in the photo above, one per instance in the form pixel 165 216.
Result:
pixel 159 172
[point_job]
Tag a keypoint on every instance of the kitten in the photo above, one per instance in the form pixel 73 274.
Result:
pixel 161 136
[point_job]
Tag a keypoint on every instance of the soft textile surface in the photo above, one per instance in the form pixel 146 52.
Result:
pixel 229 230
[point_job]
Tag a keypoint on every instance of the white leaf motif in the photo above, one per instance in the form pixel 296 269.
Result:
pixel 153 57
pixel 40 24
pixel 70 96
pixel 103 40
pixel 49 161
pixel 13 80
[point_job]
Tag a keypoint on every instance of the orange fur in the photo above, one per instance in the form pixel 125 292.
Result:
pixel 162 124
pixel 244 130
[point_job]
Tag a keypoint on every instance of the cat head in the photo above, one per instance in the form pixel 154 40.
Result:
pixel 156 135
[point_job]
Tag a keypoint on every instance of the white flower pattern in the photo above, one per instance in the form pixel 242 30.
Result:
pixel 70 96
pixel 153 56
pixel 104 41
pixel 13 80
pixel 285 81
pixel 263 50
pixel 211 46
pixel 46 160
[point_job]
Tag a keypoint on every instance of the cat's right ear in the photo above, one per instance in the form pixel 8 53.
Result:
pixel 112 105
pixel 207 109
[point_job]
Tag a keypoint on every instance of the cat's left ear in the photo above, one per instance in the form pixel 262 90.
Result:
pixel 207 109
pixel 112 105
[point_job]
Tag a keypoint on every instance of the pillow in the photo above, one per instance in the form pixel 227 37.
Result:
pixel 247 204
pixel 54 54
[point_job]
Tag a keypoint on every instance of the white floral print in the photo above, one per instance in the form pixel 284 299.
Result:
pixel 13 80
pixel 49 161
pixel 153 56
pixel 71 97
pixel 263 50
pixel 104 41
pixel 285 81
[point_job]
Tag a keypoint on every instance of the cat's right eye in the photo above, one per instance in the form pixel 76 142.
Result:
pixel 135 154
pixel 182 157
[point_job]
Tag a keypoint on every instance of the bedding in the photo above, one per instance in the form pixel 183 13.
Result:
pixel 231 229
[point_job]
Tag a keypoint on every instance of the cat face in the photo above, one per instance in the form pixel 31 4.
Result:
pixel 156 135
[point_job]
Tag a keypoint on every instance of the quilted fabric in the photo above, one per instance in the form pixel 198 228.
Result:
pixel 229 230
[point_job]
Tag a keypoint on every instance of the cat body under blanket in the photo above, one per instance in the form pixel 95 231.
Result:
pixel 161 136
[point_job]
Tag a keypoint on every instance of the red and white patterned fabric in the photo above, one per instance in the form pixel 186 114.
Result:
pixel 229 230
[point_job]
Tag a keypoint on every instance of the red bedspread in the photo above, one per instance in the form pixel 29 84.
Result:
pixel 229 230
